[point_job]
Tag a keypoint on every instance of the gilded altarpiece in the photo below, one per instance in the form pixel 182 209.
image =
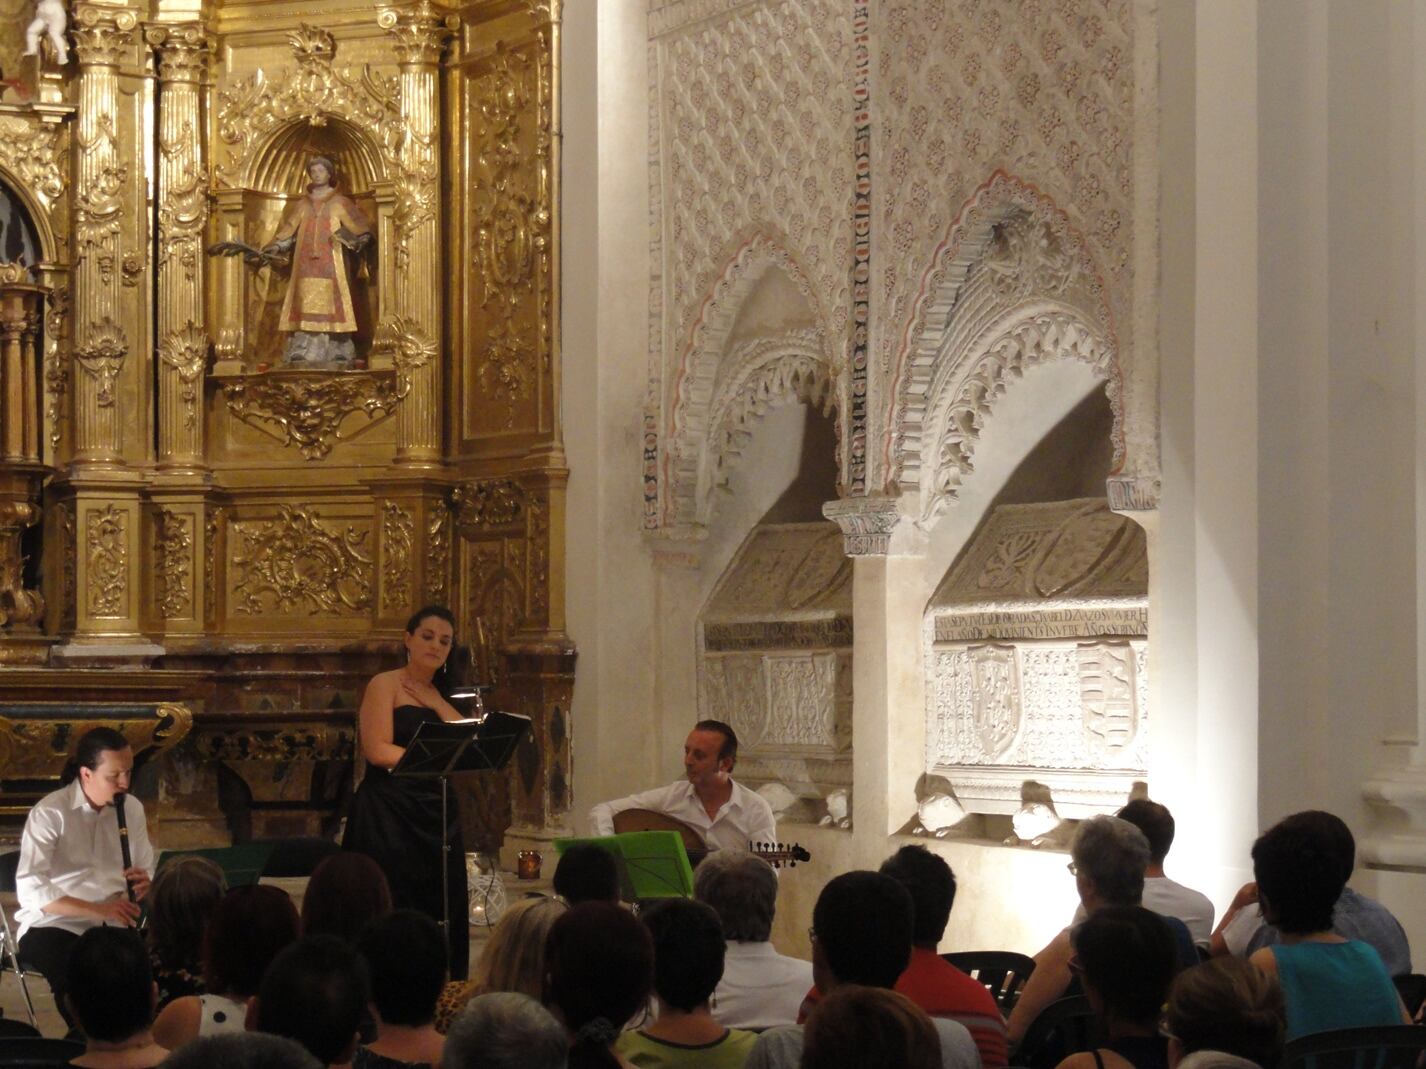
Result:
pixel 189 502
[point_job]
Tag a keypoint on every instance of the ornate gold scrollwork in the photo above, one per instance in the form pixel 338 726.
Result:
pixel 56 366
pixel 98 211
pixel 102 355
pixel 292 562
pixel 398 530
pixel 31 152
pixel 421 30
pixel 253 106
pixel 438 553
pixel 309 407
pixel 107 556
pixel 489 503
pixel 291 742
pixel 102 35
pixel 173 560
pixel 409 347
pixel 12 274
pixel 186 351
pixel 17 605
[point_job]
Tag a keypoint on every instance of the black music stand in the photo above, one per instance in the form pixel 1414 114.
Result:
pixel 440 748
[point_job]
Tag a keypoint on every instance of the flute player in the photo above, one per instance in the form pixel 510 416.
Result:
pixel 72 875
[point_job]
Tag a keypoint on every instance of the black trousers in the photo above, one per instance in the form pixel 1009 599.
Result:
pixel 46 951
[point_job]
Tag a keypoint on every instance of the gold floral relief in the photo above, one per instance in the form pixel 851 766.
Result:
pixel 398 530
pixel 173 563
pixel 307 409
pixel 186 352
pixel 438 554
pixel 101 356
pixel 107 558
pixel 292 564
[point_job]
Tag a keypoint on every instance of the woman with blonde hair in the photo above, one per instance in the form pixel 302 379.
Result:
pixel 1225 1014
pixel 513 959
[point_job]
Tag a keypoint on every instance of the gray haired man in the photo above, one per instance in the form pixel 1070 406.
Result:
pixel 505 1030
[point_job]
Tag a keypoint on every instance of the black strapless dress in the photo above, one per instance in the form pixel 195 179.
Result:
pixel 396 821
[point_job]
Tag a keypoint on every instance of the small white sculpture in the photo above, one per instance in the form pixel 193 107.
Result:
pixel 50 20
pixel 839 809
pixel 1036 819
pixel 778 797
pixel 938 814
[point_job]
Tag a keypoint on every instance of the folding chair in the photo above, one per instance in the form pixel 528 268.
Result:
pixel 9 946
pixel 1003 972
pixel 1392 1046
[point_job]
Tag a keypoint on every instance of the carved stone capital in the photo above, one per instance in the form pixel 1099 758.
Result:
pixel 184 50
pixel 875 527
pixel 421 30
pixel 1133 493
pixel 102 35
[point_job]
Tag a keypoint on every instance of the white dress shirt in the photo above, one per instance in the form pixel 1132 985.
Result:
pixel 760 987
pixel 70 848
pixel 745 817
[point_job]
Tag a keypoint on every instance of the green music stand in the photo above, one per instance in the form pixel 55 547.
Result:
pixel 652 864
pixel 241 864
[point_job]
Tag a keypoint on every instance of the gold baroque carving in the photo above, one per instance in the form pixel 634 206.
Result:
pixel 409 346
pixel 102 36
pixel 308 409
pixel 293 562
pixel 490 503
pixel 98 211
pixel 17 605
pixel 397 538
pixel 69 564
pixel 186 351
pixel 210 562
pixel 421 30
pixel 31 152
pixel 291 742
pixel 511 224
pixel 253 106
pixel 438 554
pixel 102 355
pixel 183 51
pixel 12 274
pixel 182 216
pixel 56 366
pixel 107 554
pixel 173 563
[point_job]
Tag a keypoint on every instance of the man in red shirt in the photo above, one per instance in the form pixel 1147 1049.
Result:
pixel 934 984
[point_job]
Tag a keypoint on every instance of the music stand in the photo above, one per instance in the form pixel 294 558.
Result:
pixel 441 748
pixel 242 864
pixel 651 864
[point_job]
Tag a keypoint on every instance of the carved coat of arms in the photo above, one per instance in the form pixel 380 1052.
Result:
pixel 995 698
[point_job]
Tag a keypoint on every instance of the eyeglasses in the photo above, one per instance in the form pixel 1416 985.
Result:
pixel 1073 869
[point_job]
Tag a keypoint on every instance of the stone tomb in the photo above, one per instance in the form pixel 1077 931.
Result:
pixel 775 660
pixel 1036 647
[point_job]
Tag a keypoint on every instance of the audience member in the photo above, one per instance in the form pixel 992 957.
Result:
pixel 242 1050
pixel 406 958
pixel 587 873
pixel 1108 858
pixel 862 928
pixel 183 899
pixel 1224 1014
pixel 1354 916
pixel 869 1028
pixel 111 993
pixel 505 1030
pixel 250 927
pixel 760 987
pixel 347 892
pixel 513 959
pixel 315 992
pixel 599 964
pixel 688 963
pixel 1127 959
pixel 1161 894
pixel 1328 982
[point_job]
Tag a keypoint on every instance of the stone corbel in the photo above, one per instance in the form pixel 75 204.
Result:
pixel 1398 838
pixel 876 527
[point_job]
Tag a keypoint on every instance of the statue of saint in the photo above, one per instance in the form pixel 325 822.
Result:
pixel 317 239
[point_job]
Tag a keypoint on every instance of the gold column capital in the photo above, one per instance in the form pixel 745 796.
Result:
pixel 102 34
pixel 421 29
pixel 184 50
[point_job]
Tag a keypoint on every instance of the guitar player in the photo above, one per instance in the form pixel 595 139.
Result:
pixel 727 815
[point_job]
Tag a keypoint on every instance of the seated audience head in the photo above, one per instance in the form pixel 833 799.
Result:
pixel 1156 822
pixel 1109 856
pixel 688 952
pixel 347 892
pixel 514 957
pixel 1229 1005
pixel 1128 958
pixel 251 926
pixel 111 990
pixel 406 959
pixel 316 992
pixel 587 873
pixel 184 896
pixel 1334 834
pixel 1298 866
pixel 932 886
pixel 862 925
pixel 505 1030
pixel 858 1027
pixel 242 1050
pixel 599 967
pixel 742 889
